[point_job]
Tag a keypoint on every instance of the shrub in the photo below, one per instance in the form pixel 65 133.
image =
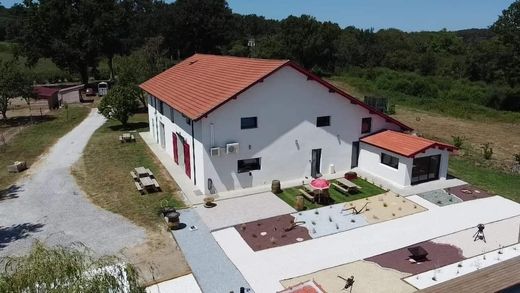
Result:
pixel 517 158
pixel 458 141
pixel 487 150
pixel 120 103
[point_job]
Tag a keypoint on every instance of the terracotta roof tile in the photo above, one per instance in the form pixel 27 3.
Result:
pixel 201 82
pixel 404 144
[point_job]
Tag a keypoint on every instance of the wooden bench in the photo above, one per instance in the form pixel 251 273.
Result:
pixel 306 195
pixel 351 186
pixel 134 175
pixel 139 187
pixel 156 184
pixel 340 189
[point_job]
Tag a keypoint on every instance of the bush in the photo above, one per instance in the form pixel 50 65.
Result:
pixel 516 157
pixel 61 269
pixel 487 150
pixel 120 103
pixel 458 141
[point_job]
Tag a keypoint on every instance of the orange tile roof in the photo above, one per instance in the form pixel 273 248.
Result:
pixel 403 144
pixel 202 83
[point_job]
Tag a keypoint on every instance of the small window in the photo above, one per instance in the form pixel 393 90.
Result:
pixel 248 165
pixel 248 123
pixel 172 114
pixel 323 121
pixel 390 160
pixel 161 107
pixel 366 125
pixel 188 120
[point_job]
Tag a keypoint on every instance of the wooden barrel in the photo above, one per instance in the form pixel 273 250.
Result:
pixel 299 205
pixel 275 187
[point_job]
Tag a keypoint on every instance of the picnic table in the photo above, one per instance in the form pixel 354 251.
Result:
pixel 127 137
pixel 351 186
pixel 144 180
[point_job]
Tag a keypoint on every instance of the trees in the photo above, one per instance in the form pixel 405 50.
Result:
pixel 120 103
pixel 74 34
pixel 61 269
pixel 507 27
pixel 13 83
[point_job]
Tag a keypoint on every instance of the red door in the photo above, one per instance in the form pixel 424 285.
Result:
pixel 187 165
pixel 175 148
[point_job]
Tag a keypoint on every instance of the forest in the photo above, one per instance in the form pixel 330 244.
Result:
pixel 112 39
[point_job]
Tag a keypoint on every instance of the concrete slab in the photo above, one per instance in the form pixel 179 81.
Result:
pixel 181 284
pixel 212 269
pixel 421 201
pixel 498 234
pixel 302 258
pixel 440 197
pixel 230 212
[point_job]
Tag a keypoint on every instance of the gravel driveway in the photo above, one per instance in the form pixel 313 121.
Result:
pixel 48 205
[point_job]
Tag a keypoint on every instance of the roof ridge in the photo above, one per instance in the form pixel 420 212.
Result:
pixel 238 57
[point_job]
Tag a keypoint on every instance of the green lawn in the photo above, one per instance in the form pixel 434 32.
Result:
pixel 367 189
pixel 104 173
pixel 35 139
pixel 495 181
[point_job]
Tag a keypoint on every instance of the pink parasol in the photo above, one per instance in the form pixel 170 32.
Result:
pixel 320 184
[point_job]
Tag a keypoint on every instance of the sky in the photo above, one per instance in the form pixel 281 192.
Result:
pixel 407 15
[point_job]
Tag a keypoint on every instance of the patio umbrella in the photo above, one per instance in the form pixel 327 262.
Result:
pixel 320 184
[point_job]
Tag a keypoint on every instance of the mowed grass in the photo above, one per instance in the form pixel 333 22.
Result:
pixel 35 139
pixel 104 174
pixel 494 181
pixel 367 189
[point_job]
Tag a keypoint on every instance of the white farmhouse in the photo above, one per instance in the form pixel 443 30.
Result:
pixel 234 123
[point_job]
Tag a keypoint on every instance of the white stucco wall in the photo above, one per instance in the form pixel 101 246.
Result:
pixel 178 126
pixel 370 162
pixel 286 105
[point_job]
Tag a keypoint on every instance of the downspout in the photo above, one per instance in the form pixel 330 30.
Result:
pixel 193 153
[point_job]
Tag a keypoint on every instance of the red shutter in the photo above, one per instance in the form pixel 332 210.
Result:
pixel 175 148
pixel 187 165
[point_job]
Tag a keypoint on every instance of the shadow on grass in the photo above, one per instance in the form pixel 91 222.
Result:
pixel 17 232
pixel 129 126
pixel 25 120
pixel 10 193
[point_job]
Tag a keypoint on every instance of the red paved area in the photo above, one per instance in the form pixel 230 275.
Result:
pixel 270 232
pixel 305 287
pixel 468 192
pixel 438 255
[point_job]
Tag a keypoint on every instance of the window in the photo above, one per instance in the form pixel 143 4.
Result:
pixel 366 125
pixel 161 107
pixel 390 160
pixel 248 123
pixel 188 120
pixel 323 121
pixel 172 114
pixel 248 165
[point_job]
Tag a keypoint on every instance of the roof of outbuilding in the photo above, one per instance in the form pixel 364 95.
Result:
pixel 43 91
pixel 201 83
pixel 403 144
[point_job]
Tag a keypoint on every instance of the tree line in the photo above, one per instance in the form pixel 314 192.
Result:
pixel 77 34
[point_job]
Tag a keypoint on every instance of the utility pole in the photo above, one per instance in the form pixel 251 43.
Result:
pixel 251 45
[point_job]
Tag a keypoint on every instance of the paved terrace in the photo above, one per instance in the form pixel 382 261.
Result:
pixel 272 265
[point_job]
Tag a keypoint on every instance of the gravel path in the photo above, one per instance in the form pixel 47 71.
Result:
pixel 48 205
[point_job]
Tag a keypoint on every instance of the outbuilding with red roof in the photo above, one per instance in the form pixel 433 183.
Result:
pixel 231 123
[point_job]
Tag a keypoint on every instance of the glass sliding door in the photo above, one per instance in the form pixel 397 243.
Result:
pixel 426 169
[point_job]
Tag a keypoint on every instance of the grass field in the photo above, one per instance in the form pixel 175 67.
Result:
pixel 104 174
pixel 367 189
pixel 35 139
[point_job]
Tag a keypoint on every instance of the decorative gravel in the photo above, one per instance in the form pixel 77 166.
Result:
pixel 329 220
pixel 440 197
pixel 211 267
